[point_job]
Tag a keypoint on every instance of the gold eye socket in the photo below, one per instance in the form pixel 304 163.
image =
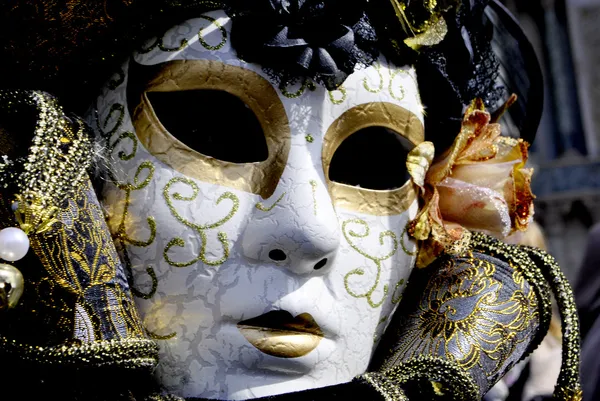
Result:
pixel 364 158
pixel 211 121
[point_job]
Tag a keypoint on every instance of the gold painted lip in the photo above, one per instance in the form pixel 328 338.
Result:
pixel 282 335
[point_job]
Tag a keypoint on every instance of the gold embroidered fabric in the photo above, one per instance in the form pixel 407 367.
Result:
pixel 469 317
pixel 77 307
pixel 81 259
pixel 477 312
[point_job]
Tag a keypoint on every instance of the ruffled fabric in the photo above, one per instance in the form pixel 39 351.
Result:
pixel 479 184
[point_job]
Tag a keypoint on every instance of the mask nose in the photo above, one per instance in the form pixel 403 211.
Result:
pixel 296 228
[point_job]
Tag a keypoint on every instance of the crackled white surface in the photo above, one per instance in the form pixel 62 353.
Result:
pixel 201 304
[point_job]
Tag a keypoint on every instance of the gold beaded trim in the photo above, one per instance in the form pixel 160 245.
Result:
pixel 384 386
pixel 131 354
pixel 56 163
pixel 444 375
pixel 568 386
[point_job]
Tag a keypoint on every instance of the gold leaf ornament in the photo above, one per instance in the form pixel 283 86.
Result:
pixel 418 162
pixel 423 20
pixel 432 36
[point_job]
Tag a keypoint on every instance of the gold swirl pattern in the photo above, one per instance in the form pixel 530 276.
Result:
pixel 122 155
pixel 396 298
pixel 402 95
pixel 264 208
pixel 349 234
pixel 115 108
pixel 368 87
pixel 404 247
pixel 338 100
pixel 298 93
pixel 313 187
pixel 121 236
pixel 219 27
pixel 200 229
pixel 159 41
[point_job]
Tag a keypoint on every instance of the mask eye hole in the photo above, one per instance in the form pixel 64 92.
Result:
pixel 371 158
pixel 212 122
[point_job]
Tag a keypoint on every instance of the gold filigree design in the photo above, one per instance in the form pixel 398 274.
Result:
pixel 115 108
pixel 396 298
pixel 377 67
pixel 155 336
pixel 159 41
pixel 403 245
pixel 121 237
pixel 349 234
pixel 200 229
pixel 393 94
pixel 264 208
pixel 34 215
pixel 122 155
pixel 219 27
pixel 55 163
pixel 340 100
pixel 313 187
pixel 297 93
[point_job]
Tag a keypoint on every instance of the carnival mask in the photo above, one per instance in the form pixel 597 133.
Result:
pixel 264 225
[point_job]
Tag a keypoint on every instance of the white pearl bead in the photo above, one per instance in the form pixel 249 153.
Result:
pixel 14 244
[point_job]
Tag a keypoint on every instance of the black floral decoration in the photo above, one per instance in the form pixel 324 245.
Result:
pixel 321 40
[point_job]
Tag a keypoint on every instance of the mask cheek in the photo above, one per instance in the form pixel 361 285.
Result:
pixel 375 260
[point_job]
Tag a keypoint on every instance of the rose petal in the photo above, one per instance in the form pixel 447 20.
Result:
pixel 493 176
pixel 473 207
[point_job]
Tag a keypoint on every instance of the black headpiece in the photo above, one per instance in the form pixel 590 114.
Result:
pixel 461 49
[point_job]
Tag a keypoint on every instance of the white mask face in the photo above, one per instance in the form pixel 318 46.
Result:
pixel 263 276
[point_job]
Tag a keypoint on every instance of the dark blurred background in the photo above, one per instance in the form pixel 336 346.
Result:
pixel 566 152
